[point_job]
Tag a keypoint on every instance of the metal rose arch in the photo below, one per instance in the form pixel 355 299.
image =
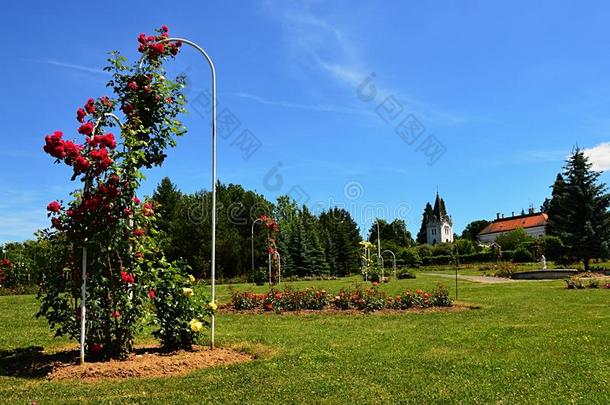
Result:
pixel 213 71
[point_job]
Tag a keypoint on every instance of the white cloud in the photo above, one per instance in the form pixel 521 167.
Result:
pixel 71 66
pixel 315 41
pixel 600 156
pixel 311 107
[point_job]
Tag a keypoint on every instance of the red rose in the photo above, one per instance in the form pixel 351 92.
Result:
pixel 127 212
pixel 151 294
pixel 142 38
pixel 108 141
pixel 54 145
pixel 80 115
pixel 54 207
pixel 127 109
pixel 147 210
pixel 6 262
pixel 126 277
pixel 86 129
pixel 116 314
pixel 138 232
pixel 96 347
pixel 136 200
pixel 106 101
pixel 81 164
pixel 132 85
pixel 56 223
pixel 71 149
pixel 164 28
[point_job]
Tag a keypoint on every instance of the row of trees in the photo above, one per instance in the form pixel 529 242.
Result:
pixel 309 245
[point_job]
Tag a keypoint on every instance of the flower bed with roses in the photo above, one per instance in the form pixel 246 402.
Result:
pixel 588 280
pixel 129 281
pixel 361 299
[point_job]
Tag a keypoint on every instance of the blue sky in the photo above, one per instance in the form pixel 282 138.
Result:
pixel 505 90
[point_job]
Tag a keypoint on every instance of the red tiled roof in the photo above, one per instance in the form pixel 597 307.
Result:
pixel 512 223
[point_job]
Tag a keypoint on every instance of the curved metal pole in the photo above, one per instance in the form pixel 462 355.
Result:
pixel 213 71
pixel 252 239
pixel 83 308
pixel 109 115
pixel 83 299
pixel 378 242
pixel 393 260
pixel 279 267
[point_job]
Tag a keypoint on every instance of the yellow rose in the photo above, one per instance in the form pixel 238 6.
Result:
pixel 196 325
pixel 188 292
pixel 192 279
pixel 213 306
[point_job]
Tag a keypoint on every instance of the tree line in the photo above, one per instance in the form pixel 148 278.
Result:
pixel 309 245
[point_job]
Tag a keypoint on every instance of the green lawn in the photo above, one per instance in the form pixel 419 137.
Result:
pixel 531 342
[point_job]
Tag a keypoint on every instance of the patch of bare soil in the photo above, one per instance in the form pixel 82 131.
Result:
pixel 457 307
pixel 149 362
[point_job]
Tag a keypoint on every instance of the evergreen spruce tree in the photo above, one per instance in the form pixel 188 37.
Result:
pixel 341 239
pixel 578 211
pixel 315 258
pixel 421 235
pixel 167 198
pixel 297 250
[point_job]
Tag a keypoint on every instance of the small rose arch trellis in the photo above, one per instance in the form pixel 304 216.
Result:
pixel 213 261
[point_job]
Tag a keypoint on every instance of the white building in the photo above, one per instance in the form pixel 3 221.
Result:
pixel 439 226
pixel 533 223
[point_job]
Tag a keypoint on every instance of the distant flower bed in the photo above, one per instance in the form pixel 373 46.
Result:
pixel 366 300
pixel 588 280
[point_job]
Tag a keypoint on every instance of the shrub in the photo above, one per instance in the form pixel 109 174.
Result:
pixel 443 249
pixel 424 250
pixel 125 266
pixel 403 301
pixel 514 239
pixel 373 275
pixel 259 276
pixel 247 300
pixel 342 299
pixel 552 246
pixel 403 274
pixel 409 257
pixel 593 283
pixel 180 312
pixel 522 255
pixel 504 269
pixel 574 283
pixel 367 300
pixel 464 246
pixel 440 296
pixel 438 260
pixel 314 299
pixel 370 299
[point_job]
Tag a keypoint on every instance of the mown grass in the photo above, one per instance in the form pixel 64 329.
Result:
pixel 531 342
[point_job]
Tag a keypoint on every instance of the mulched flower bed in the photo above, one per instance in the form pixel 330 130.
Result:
pixel 146 361
pixel 149 362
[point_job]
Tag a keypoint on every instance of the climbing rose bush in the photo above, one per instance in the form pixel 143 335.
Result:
pixel 129 280
pixel 272 229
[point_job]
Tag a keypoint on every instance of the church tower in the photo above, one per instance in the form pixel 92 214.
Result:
pixel 439 227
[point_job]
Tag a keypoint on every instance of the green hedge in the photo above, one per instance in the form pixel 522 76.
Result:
pixel 479 257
